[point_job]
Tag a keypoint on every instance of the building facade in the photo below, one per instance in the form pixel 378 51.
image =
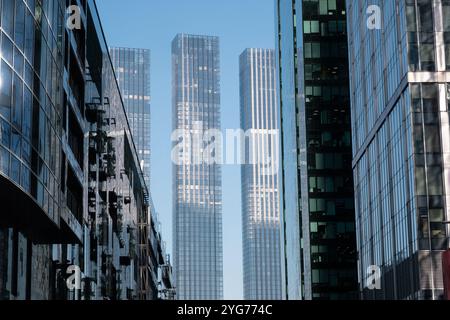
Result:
pixel 259 178
pixel 74 221
pixel 400 89
pixel 197 193
pixel 132 67
pixel 317 205
pixel 161 282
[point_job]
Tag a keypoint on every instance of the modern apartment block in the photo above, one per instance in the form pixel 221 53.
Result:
pixel 197 184
pixel 74 221
pixel 317 204
pixel 259 175
pixel 132 67
pixel 399 55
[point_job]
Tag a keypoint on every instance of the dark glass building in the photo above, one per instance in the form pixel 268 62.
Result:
pixel 400 91
pixel 73 196
pixel 317 204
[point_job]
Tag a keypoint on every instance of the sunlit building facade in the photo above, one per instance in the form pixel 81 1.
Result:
pixel 400 89
pixel 197 184
pixel 132 68
pixel 259 175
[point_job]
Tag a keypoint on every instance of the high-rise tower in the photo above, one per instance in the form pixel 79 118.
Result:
pixel 260 199
pixel 132 68
pixel 197 185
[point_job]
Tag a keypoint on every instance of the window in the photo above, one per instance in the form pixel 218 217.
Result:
pixel 29 36
pixel 15 142
pixel 315 49
pixel 4 161
pixel 5 90
pixel 25 181
pixel 18 62
pixel 8 16
pixel 420 181
pixel 447 49
pixel 437 230
pixel 432 139
pixel 413 52
pixel 427 52
pixel 434 175
pixel 17 102
pixel 15 170
pixel 19 24
pixel 425 14
pixel 7 49
pixel 5 133
pixel 42 130
pixel 446 14
pixel 411 16
pixel 323 7
pixel 436 215
pixel 311 26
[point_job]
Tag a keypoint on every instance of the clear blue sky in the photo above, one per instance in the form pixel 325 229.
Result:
pixel 153 24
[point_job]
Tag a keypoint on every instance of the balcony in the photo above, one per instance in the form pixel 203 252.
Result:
pixel 94 113
pixel 166 276
pixel 75 139
pixel 71 229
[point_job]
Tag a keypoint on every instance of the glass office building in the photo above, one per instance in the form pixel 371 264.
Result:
pixel 400 91
pixel 31 68
pixel 259 177
pixel 132 68
pixel 197 185
pixel 317 205
pixel 73 196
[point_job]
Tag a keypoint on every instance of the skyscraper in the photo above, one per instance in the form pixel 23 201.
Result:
pixel 260 200
pixel 197 185
pixel 132 68
pixel 318 218
pixel 400 91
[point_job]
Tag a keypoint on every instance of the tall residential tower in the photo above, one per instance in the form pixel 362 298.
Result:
pixel 197 185
pixel 132 68
pixel 318 216
pixel 260 200
pixel 400 91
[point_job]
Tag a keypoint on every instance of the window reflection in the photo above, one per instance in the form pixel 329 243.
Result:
pixel 5 91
